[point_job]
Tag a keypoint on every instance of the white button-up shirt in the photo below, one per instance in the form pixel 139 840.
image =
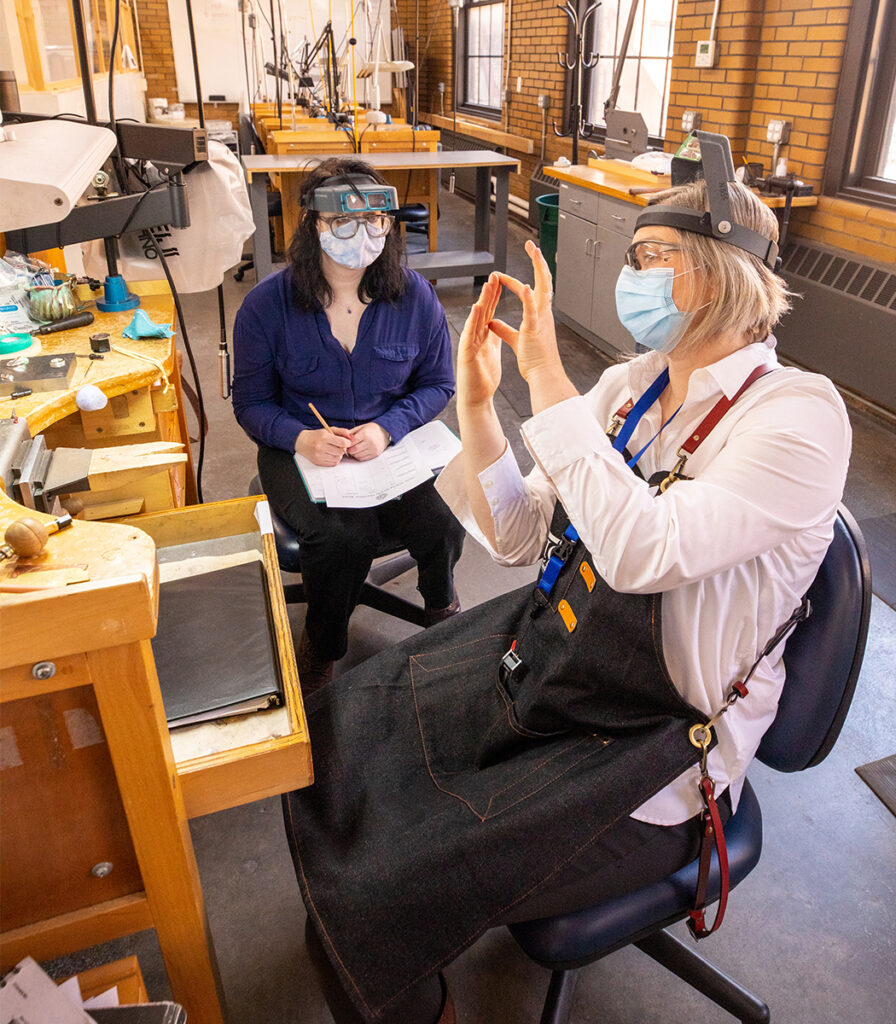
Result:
pixel 733 551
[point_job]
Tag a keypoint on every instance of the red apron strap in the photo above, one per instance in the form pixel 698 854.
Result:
pixel 719 409
pixel 713 836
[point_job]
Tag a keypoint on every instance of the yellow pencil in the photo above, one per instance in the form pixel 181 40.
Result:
pixel 323 422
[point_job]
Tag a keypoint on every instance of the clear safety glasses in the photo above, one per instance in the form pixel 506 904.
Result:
pixel 647 255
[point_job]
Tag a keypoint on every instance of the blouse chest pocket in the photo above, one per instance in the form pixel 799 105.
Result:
pixel 297 368
pixel 392 364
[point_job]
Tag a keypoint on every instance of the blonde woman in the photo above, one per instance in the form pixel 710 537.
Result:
pixel 531 757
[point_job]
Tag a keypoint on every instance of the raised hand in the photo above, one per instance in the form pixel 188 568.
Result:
pixel 535 343
pixel 324 447
pixel 370 440
pixel 479 352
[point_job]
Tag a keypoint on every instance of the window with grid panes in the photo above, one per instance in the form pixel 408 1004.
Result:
pixel 482 40
pixel 644 85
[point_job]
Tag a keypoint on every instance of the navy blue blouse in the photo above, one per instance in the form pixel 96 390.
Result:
pixel 398 375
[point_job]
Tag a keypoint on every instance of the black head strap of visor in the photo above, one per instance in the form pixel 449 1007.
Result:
pixel 718 223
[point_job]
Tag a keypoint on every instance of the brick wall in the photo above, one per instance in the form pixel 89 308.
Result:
pixel 777 59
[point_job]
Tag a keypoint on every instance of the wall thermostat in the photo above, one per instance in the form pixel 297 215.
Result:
pixel 706 53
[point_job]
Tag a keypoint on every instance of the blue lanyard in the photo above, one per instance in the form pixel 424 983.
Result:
pixel 634 417
pixel 562 549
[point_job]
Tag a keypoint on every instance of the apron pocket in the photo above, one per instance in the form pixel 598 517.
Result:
pixel 474 748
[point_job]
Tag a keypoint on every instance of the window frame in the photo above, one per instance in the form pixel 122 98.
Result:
pixel 867 81
pixel 599 131
pixel 463 106
pixel 35 54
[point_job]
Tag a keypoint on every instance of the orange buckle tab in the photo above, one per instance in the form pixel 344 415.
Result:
pixel 567 614
pixel 587 574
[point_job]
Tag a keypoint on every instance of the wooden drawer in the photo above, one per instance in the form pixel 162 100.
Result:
pixel 581 202
pixel 618 215
pixel 247 757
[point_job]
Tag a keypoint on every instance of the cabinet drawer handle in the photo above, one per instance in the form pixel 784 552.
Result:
pixel 588 243
pixel 617 216
pixel 577 202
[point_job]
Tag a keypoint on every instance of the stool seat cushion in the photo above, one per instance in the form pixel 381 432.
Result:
pixel 571 940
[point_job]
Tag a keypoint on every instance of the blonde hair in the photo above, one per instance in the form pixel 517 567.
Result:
pixel 740 294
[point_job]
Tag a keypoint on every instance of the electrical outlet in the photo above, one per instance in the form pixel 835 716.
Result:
pixel 544 102
pixel 691 120
pixel 519 83
pixel 707 50
pixel 442 87
pixel 778 132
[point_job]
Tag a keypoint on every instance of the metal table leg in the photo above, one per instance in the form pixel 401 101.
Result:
pixel 483 210
pixel 261 240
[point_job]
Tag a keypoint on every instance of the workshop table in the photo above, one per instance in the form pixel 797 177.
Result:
pixel 485 256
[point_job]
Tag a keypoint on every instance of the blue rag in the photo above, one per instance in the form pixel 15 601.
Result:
pixel 142 327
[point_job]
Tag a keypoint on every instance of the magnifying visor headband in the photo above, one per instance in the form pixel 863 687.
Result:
pixel 684 218
pixel 352 193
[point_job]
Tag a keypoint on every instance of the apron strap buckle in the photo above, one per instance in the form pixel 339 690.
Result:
pixel 510 663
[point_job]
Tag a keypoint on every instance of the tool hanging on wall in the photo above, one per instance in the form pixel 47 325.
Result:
pixel 576 127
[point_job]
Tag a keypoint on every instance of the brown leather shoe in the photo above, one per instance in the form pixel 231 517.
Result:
pixel 433 615
pixel 315 671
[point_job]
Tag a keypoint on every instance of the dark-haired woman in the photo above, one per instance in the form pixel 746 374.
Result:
pixel 346 328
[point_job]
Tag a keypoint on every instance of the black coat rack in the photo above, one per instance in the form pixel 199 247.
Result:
pixel 576 127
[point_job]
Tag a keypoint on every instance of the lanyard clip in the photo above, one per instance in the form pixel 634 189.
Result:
pixel 676 474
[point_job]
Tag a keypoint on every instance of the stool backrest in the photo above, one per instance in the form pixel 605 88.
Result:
pixel 823 656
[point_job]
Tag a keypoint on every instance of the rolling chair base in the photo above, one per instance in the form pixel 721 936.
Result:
pixel 372 593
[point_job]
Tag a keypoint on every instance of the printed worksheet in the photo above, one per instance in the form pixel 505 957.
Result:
pixel 354 484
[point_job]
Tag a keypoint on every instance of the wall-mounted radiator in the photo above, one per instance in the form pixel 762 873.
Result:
pixel 844 325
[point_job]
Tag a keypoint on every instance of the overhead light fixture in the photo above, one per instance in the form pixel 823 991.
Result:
pixel 45 168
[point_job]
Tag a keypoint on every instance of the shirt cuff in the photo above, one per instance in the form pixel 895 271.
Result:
pixel 501 482
pixel 503 486
pixel 564 434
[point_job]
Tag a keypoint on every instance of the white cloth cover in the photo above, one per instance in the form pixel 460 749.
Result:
pixel 198 256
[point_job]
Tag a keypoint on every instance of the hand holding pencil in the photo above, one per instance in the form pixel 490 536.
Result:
pixel 324 447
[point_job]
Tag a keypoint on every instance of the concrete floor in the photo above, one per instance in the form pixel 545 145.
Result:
pixel 813 928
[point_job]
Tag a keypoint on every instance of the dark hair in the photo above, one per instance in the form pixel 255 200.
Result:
pixel 383 279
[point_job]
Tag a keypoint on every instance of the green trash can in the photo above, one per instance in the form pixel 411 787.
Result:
pixel 548 211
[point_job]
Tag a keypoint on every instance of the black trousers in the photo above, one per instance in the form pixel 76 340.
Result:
pixel 628 856
pixel 338 546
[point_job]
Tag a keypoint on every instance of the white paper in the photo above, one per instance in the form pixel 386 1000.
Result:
pixel 29 996
pixel 353 484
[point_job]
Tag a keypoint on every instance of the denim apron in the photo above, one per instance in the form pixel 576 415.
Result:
pixel 449 788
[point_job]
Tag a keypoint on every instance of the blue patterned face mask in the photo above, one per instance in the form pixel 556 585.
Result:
pixel 646 309
pixel 356 252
